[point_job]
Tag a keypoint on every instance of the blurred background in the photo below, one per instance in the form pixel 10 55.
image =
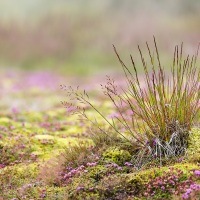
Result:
pixel 75 37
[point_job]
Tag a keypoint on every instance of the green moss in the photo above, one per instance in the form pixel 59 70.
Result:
pixel 96 172
pixel 34 117
pixel 43 145
pixel 194 142
pixel 42 142
pixel 47 146
pixel 5 121
pixel 74 130
pixel 28 130
pixel 116 155
pixel 44 137
pixel 56 193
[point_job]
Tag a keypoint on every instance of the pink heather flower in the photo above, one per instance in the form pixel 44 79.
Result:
pixel 69 168
pixel 91 164
pixel 162 188
pixel 43 195
pixel 188 191
pixel 154 142
pixel 128 164
pixel 160 182
pixel 185 196
pixel 153 193
pixel 145 194
pixel 197 172
pixel 79 188
pixel 114 165
pixel 82 167
pixel 2 166
pixel 195 187
pixel 172 182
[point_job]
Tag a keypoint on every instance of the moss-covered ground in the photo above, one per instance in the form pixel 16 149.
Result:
pixel 47 154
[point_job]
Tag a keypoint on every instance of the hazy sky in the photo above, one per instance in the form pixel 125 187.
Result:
pixel 23 9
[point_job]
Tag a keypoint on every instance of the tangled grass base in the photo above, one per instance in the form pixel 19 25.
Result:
pixel 160 149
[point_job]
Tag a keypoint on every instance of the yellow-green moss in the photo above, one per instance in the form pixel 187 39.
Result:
pixel 96 172
pixel 194 142
pixel 116 155
pixel 34 117
pixel 5 121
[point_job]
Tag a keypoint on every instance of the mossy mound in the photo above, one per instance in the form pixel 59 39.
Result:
pixel 116 155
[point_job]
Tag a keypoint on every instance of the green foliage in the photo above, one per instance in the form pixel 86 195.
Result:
pixel 116 155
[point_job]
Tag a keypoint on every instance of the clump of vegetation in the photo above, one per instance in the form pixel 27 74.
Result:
pixel 157 114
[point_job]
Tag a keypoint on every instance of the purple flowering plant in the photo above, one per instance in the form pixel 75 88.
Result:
pixel 173 182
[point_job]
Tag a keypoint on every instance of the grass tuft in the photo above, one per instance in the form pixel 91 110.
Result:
pixel 161 108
